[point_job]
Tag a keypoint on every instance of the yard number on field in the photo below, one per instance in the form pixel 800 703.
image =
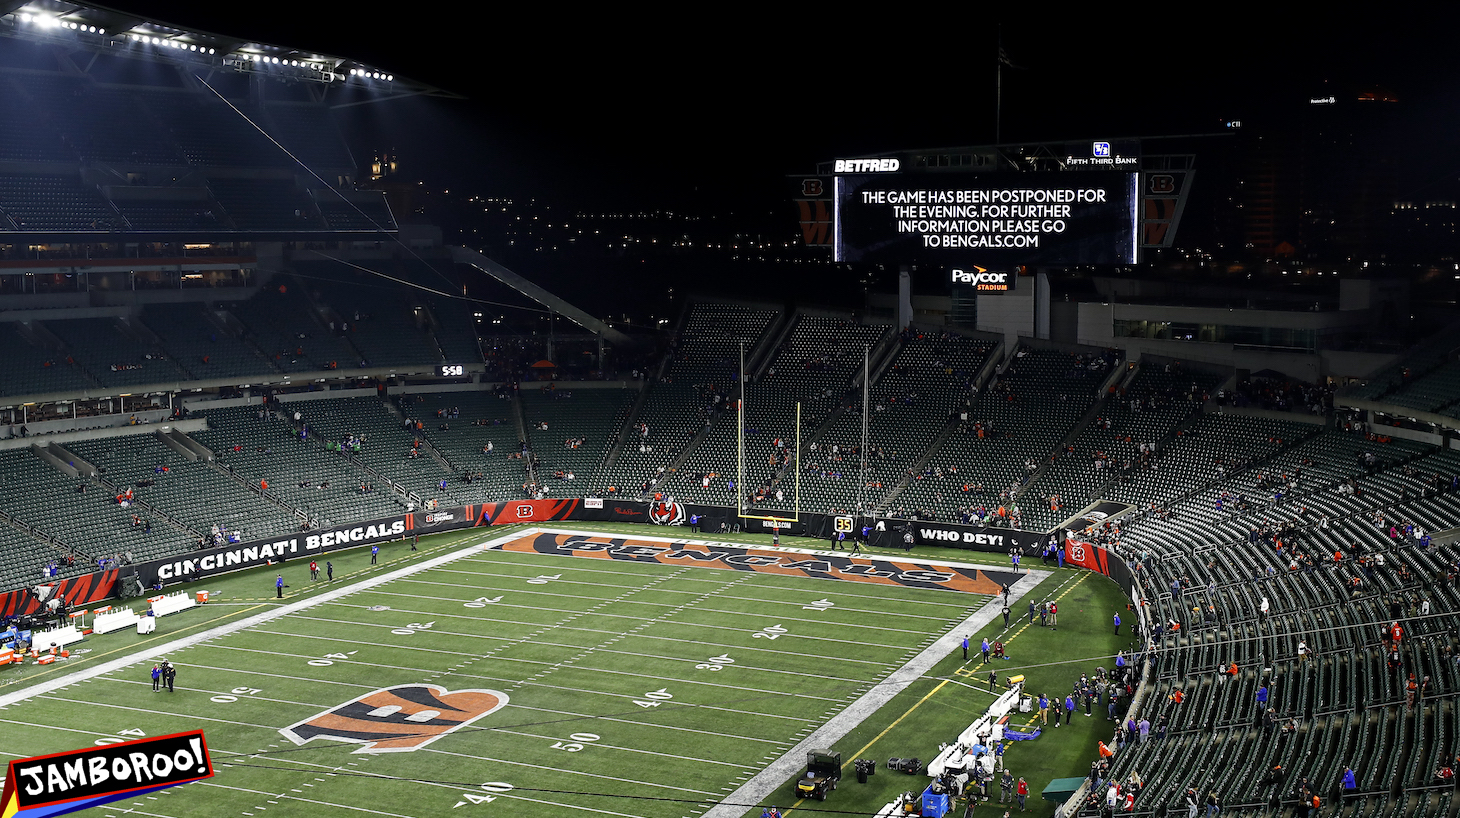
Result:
pixel 497 787
pixel 329 659
pixel 655 698
pixel 543 579
pixel 133 732
pixel 818 605
pixel 715 662
pixel 226 698
pixel 578 740
pixel 772 632
pixel 413 627
pixel 481 602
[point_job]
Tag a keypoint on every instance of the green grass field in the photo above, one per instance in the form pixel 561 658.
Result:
pixel 633 689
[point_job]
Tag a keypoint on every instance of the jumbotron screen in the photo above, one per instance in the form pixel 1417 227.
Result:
pixel 987 219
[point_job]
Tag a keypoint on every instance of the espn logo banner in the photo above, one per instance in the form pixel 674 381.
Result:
pixel 79 779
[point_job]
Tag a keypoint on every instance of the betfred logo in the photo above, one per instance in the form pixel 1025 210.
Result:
pixel 868 165
pixel 398 719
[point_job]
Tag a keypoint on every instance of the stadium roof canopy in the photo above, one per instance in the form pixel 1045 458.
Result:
pixel 86 26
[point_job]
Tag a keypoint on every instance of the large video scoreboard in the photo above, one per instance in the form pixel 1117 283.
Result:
pixel 969 220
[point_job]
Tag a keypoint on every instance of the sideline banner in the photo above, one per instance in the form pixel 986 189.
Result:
pixel 955 535
pixel 210 561
pixel 78 591
pixel 878 571
pixel 1087 555
pixel 79 779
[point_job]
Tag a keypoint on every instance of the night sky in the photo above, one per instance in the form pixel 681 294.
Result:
pixel 708 107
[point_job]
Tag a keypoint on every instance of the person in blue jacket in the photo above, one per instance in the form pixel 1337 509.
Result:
pixel 1349 784
pixel 1069 708
pixel 279 586
pixel 1117 624
pixel 156 678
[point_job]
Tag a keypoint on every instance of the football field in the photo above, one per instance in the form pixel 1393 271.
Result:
pixel 547 675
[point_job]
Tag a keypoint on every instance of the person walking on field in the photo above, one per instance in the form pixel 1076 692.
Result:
pixel 1117 624
pixel 965 648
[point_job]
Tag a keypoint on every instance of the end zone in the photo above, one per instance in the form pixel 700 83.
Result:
pixel 784 562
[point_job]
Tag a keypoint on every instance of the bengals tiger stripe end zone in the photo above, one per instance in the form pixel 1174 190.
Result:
pixel 709 555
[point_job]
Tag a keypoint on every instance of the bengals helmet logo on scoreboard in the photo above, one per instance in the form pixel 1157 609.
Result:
pixel 398 719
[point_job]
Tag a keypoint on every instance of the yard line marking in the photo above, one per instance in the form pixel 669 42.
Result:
pixel 587 717
pixel 162 649
pixel 765 782
pixel 372 811
pixel 859 644
pixel 565 770
pixel 458 787
pixel 697 643
pixel 695 759
pixel 267 727
pixel 794 616
pixel 757 599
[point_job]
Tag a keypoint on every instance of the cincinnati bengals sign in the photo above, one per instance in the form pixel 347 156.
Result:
pixel 398 719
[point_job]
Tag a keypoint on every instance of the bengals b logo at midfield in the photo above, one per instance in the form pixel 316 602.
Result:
pixel 398 719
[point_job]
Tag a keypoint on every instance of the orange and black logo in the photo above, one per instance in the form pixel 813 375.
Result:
pixel 398 719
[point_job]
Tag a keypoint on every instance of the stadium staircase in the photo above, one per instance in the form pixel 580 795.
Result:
pixel 759 359
pixel 271 495
pixel 431 449
pixel 880 359
pixel 602 474
pixel 228 324
pixel 882 506
pixel 39 336
pixel 1118 375
pixel 617 441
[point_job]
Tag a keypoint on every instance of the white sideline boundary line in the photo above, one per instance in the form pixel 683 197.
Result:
pixel 759 787
pixel 159 651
